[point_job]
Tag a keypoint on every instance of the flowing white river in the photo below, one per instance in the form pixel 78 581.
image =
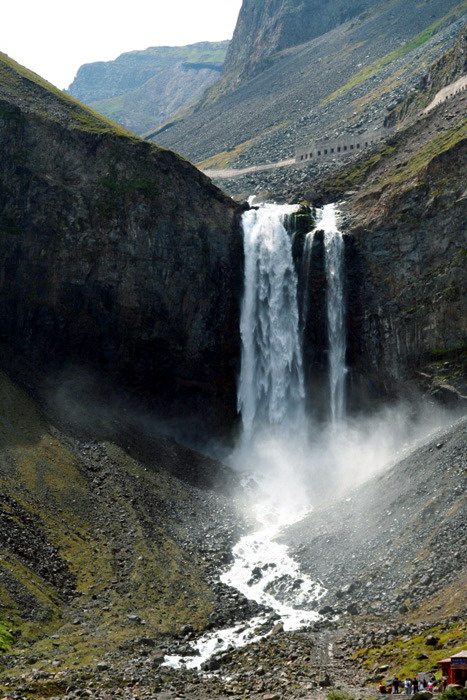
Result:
pixel 262 571
pixel 274 448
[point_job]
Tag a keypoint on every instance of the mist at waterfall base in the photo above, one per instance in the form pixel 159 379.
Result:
pixel 288 474
pixel 290 464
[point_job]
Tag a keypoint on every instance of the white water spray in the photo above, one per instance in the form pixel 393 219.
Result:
pixel 271 398
pixel 334 260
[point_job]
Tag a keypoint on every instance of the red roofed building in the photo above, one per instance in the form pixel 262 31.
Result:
pixel 455 668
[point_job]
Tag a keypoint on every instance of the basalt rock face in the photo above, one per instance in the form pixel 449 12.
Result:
pixel 115 255
pixel 265 27
pixel 413 310
pixel 409 308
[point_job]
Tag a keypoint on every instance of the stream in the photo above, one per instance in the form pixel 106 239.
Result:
pixel 264 572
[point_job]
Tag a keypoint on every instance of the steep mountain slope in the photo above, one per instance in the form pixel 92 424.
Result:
pixel 124 559
pixel 393 542
pixel 116 255
pixel 142 89
pixel 344 80
pixel 407 222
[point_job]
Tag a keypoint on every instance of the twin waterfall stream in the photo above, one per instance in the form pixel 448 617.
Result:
pixel 273 452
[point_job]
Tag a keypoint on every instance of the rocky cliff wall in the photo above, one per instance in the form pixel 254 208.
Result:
pixel 115 255
pixel 266 27
pixel 409 309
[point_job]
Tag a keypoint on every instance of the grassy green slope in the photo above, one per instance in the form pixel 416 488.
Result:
pixel 418 40
pixel 36 95
pixel 393 165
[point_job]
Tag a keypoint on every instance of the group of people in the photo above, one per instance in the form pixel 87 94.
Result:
pixel 409 686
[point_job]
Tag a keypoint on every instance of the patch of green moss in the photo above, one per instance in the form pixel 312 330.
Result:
pixel 339 695
pixel 441 143
pixel 447 353
pixel 352 176
pixel 403 50
pixel 6 638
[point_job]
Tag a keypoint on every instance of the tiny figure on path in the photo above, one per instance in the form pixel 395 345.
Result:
pixel 415 685
pixel 408 686
pixel 395 685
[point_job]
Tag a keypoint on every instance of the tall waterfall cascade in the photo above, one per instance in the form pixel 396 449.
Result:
pixel 334 260
pixel 271 388
pixel 274 449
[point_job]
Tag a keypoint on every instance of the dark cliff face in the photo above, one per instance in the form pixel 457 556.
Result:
pixel 267 26
pixel 115 255
pixel 408 312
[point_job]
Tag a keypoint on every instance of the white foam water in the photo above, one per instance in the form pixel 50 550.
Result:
pixel 271 388
pixel 263 571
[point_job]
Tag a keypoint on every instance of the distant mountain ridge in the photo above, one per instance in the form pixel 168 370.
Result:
pixel 141 89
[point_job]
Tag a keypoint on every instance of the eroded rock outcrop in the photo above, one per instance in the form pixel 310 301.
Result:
pixel 115 254
pixel 263 28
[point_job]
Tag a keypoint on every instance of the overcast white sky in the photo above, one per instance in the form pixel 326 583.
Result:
pixel 55 37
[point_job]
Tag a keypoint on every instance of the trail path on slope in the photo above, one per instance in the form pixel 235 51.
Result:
pixel 251 169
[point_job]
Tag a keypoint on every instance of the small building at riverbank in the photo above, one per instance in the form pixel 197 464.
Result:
pixel 454 668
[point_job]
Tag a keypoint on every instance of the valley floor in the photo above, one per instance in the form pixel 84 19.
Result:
pixel 352 652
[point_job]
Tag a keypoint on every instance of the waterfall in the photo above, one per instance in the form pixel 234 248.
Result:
pixel 334 261
pixel 305 275
pixel 271 388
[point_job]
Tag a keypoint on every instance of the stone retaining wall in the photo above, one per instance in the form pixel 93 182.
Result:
pixel 326 149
